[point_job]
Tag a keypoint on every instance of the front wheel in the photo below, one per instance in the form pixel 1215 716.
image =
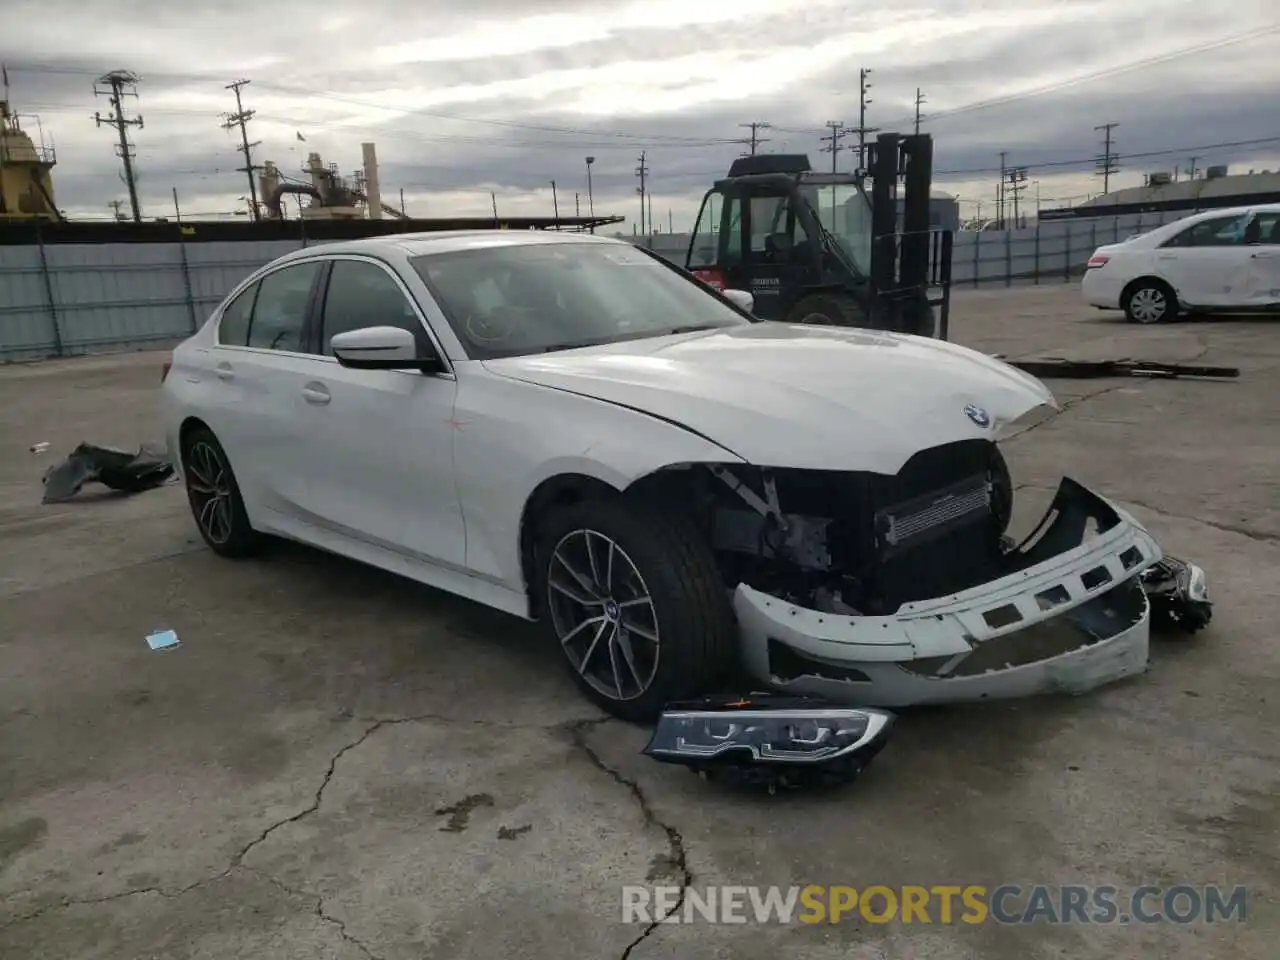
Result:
pixel 1150 301
pixel 636 602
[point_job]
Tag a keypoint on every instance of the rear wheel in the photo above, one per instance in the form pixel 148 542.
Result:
pixel 829 309
pixel 636 602
pixel 215 497
pixel 1149 301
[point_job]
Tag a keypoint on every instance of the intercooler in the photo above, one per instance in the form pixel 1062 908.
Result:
pixel 934 528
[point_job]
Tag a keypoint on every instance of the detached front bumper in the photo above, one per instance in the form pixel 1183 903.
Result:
pixel 1070 616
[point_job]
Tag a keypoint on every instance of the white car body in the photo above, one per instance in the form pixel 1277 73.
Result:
pixel 433 476
pixel 1206 260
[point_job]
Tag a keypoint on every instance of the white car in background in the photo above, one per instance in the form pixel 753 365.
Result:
pixel 1220 260
pixel 570 429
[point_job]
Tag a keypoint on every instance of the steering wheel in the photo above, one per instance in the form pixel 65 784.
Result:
pixel 495 326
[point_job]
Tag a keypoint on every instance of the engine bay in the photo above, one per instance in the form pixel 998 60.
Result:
pixel 862 543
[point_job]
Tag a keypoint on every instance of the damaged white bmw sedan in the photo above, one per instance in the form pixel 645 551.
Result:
pixel 569 429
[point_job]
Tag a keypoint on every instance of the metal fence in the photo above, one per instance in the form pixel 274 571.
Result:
pixel 66 299
pixel 59 300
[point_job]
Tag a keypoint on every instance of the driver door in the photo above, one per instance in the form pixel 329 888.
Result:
pixel 381 467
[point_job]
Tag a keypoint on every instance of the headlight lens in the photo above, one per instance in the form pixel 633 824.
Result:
pixel 771 735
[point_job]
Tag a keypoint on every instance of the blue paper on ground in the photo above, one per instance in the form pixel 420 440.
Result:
pixel 162 640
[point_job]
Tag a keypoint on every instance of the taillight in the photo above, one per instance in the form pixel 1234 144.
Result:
pixel 165 368
pixel 1097 261
pixel 712 278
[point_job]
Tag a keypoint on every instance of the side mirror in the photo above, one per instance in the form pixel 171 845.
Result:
pixel 381 348
pixel 741 298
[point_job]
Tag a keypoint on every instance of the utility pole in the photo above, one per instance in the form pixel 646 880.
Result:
pixel 837 134
pixel 577 208
pixel 115 206
pixel 116 82
pixel 591 201
pixel 493 200
pixel 1000 192
pixel 239 119
pixel 864 85
pixel 1191 167
pixel 1017 183
pixel 1109 162
pixel 642 172
pixel 754 140
pixel 920 99
pixel 555 203
pixel 402 213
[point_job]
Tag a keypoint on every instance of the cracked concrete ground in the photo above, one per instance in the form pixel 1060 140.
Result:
pixel 338 764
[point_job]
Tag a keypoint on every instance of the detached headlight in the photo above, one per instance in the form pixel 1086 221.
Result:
pixel 769 739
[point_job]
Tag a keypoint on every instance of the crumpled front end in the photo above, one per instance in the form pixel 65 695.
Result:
pixel 1065 612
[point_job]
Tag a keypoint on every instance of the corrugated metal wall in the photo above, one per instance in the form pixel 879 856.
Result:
pixel 68 299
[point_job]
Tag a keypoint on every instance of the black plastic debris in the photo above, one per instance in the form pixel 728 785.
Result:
pixel 117 469
pixel 769 740
pixel 1057 367
pixel 1179 595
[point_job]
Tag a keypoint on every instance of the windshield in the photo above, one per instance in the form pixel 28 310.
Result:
pixel 844 211
pixel 508 301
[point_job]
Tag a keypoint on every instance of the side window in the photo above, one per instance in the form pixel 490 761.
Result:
pixel 281 308
pixel 233 326
pixel 768 226
pixel 732 225
pixel 1268 228
pixel 362 294
pixel 702 246
pixel 1215 232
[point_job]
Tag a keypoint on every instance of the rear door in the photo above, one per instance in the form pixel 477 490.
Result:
pixel 380 441
pixel 1261 286
pixel 259 366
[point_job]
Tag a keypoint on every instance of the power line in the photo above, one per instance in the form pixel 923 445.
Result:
pixel 1105 73
pixel 754 140
pixel 117 81
pixel 837 134
pixel 241 119
pixel 1108 162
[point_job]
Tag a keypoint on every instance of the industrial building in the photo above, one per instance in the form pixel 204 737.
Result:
pixel 26 183
pixel 944 211
pixel 1164 192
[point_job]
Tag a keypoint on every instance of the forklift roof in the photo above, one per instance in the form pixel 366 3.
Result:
pixel 791 163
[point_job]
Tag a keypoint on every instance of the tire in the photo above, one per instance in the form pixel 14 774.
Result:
pixel 1149 301
pixel 654 555
pixel 214 495
pixel 829 309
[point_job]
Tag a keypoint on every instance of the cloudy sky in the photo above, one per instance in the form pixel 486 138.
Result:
pixel 504 96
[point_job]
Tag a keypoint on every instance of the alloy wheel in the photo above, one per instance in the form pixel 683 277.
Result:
pixel 209 489
pixel 1148 305
pixel 603 614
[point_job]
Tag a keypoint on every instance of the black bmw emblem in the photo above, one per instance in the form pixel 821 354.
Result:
pixel 977 415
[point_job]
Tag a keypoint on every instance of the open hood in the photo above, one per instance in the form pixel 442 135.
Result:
pixel 808 397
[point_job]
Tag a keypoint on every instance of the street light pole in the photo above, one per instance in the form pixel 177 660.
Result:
pixel 591 203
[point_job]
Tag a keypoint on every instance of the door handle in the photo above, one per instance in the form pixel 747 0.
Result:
pixel 1263 255
pixel 1166 256
pixel 223 371
pixel 316 393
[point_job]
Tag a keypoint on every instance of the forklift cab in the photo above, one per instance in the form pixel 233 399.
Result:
pixel 815 248
pixel 782 235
